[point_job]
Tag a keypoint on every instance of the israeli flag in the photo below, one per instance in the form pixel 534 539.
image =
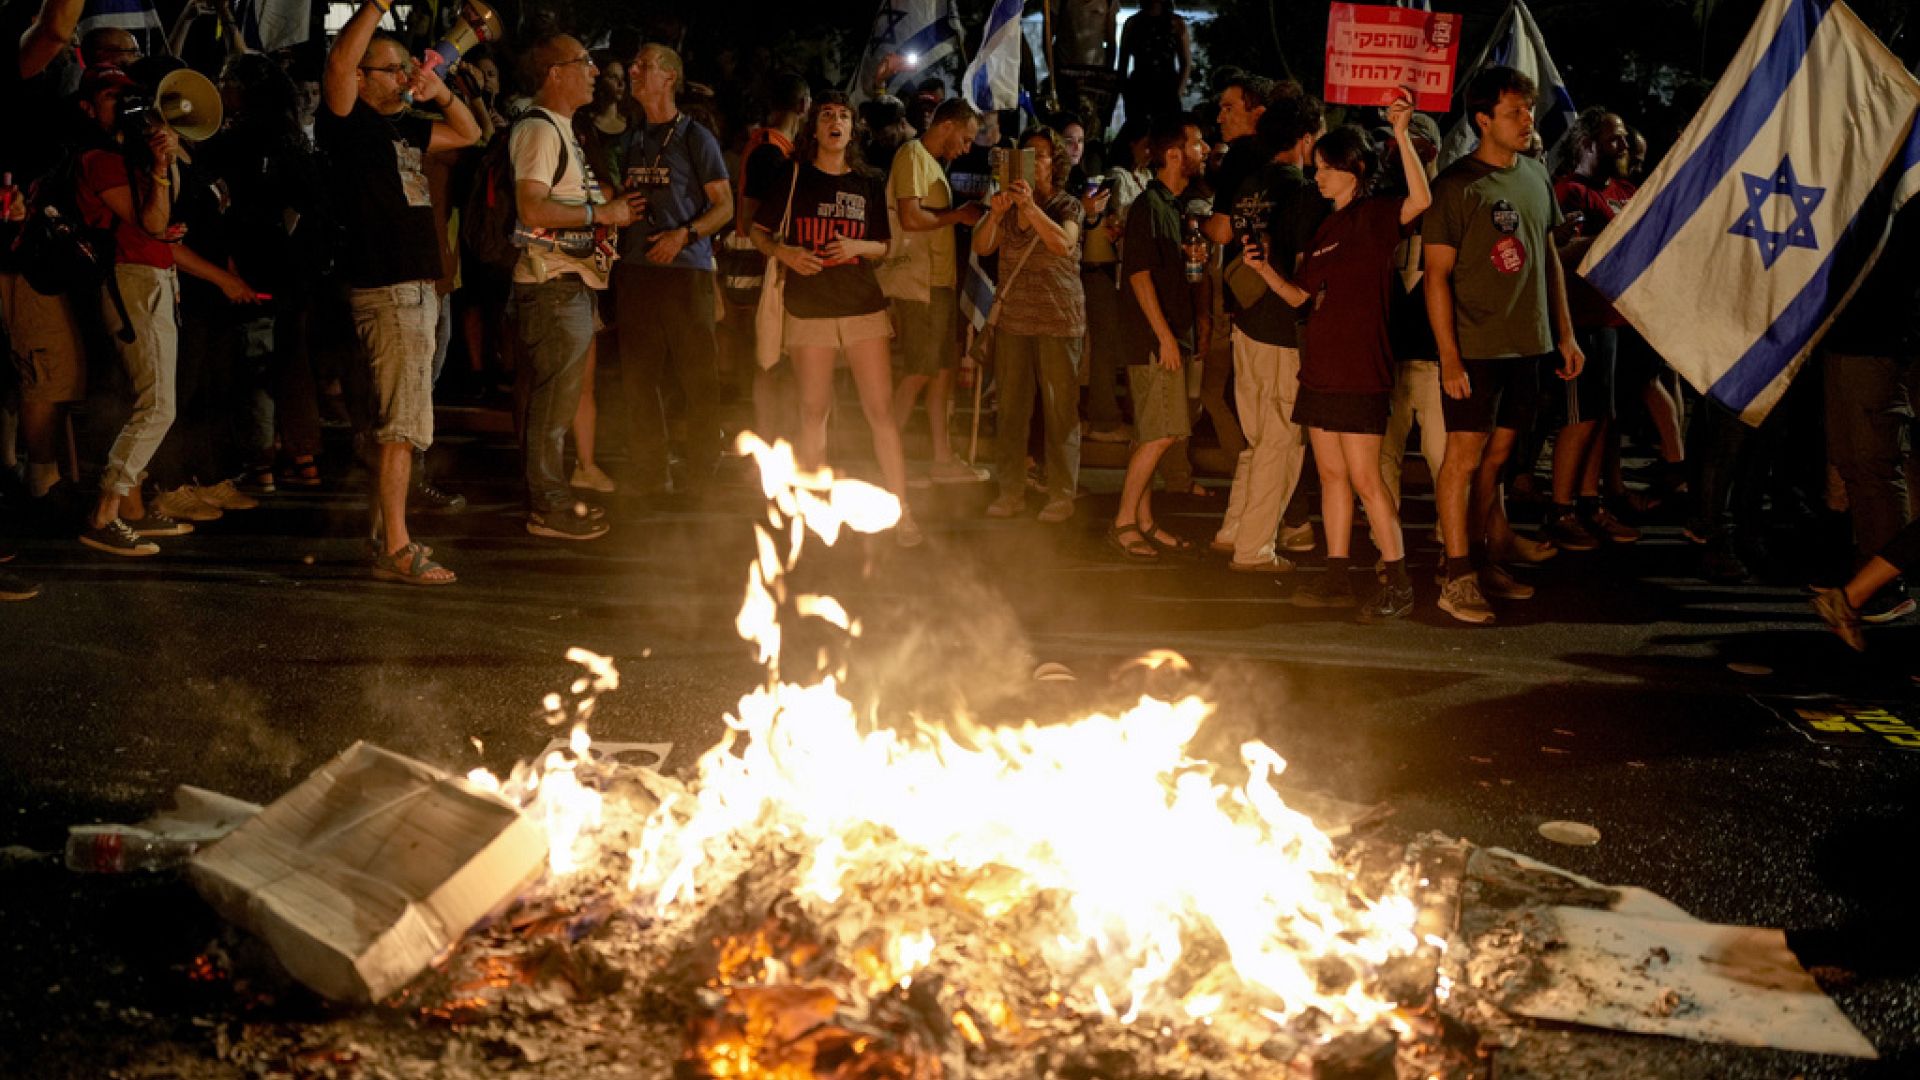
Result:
pixel 992 81
pixel 1747 240
pixel 272 24
pixel 925 32
pixel 1518 44
pixel 130 15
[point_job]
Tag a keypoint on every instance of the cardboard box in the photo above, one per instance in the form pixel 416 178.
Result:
pixel 362 875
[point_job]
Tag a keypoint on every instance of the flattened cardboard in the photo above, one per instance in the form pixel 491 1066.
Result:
pixel 360 876
pixel 1691 980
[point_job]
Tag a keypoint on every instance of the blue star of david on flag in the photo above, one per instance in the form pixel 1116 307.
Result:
pixel 1753 223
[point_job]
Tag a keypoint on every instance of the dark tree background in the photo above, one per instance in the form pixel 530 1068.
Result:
pixel 1653 60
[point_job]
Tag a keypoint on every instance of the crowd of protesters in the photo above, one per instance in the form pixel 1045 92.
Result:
pixel 563 201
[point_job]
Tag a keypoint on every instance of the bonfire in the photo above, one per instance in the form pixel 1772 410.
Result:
pixel 828 897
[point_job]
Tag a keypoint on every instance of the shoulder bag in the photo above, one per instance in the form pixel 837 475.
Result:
pixel 770 320
pixel 981 351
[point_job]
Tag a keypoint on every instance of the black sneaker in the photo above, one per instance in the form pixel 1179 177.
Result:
pixel 1887 605
pixel 1386 603
pixel 1326 590
pixel 1722 565
pixel 158 523
pixel 1568 532
pixel 580 522
pixel 116 537
pixel 1603 523
pixel 429 499
pixel 13 587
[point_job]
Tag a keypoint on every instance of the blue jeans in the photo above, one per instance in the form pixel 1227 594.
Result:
pixel 555 322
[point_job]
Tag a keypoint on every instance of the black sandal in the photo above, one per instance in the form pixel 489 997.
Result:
pixel 1139 548
pixel 1176 545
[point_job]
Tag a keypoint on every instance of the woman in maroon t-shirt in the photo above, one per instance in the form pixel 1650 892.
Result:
pixel 1346 355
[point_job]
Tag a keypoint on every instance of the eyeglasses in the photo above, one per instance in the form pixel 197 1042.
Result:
pixel 396 70
pixel 587 60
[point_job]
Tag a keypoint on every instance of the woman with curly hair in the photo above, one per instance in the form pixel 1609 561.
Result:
pixel 1042 319
pixel 827 223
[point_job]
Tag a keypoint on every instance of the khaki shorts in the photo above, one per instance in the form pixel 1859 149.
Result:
pixel 837 333
pixel 1159 402
pixel 394 324
pixel 929 333
pixel 44 342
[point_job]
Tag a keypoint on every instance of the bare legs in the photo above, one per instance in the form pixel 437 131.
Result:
pixel 1349 466
pixel 871 364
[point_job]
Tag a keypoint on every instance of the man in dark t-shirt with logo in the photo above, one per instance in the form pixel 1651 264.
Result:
pixel 375 146
pixel 1157 327
pixel 1493 281
pixel 1282 209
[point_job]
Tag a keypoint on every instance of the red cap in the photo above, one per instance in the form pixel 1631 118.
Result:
pixel 101 77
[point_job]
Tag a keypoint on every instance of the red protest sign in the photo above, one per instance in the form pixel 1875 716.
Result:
pixel 1372 51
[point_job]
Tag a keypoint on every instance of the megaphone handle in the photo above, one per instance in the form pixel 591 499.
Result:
pixel 443 55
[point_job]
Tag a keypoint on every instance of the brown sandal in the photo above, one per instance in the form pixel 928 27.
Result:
pixel 411 566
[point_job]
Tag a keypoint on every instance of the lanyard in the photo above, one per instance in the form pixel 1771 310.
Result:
pixel 672 130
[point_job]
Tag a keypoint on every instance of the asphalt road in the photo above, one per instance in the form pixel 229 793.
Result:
pixel 252 651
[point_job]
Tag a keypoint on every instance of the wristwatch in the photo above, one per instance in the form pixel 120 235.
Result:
pixel 693 236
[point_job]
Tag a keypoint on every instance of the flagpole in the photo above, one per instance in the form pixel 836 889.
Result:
pixel 860 66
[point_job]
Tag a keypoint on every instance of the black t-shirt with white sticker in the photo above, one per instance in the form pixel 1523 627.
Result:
pixel 379 187
pixel 851 205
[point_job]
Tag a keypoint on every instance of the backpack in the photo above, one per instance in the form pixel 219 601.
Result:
pixel 488 220
pixel 56 250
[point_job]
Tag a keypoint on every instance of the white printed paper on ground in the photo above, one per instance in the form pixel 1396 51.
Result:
pixel 645 755
pixel 1687 979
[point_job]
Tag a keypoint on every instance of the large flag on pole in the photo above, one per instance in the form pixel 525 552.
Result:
pixel 1516 43
pixel 992 81
pixel 1748 238
pixel 925 33
pixel 272 24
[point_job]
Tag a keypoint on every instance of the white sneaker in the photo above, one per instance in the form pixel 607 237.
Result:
pixel 184 504
pixel 225 496
pixel 1297 540
pixel 954 471
pixel 592 480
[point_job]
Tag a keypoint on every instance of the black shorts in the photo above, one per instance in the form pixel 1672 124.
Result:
pixel 1589 395
pixel 1501 393
pixel 1348 414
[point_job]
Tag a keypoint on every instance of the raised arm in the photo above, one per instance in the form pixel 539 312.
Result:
pixel 1419 195
pixel 340 84
pixel 49 32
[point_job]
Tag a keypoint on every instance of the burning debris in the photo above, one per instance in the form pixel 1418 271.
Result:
pixel 828 897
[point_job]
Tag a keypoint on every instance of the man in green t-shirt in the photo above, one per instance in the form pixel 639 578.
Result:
pixel 1493 279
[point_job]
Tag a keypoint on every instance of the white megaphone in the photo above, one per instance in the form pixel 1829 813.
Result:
pixel 477 24
pixel 190 104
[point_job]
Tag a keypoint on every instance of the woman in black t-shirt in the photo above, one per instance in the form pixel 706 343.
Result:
pixel 1346 356
pixel 837 227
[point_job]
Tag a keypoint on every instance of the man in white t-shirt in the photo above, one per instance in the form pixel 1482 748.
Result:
pixel 566 255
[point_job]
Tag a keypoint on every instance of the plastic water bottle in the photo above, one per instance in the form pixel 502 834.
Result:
pixel 117 849
pixel 1194 243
